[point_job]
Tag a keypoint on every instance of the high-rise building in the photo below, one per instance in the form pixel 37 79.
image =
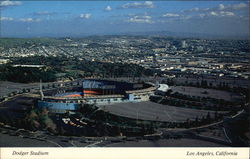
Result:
pixel 183 44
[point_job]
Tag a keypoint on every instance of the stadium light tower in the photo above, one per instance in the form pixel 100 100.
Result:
pixel 41 90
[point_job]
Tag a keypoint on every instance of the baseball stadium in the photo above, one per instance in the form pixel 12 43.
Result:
pixel 94 91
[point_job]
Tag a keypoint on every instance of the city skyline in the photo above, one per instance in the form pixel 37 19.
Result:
pixel 83 18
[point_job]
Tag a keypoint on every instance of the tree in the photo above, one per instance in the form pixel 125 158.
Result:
pixel 215 115
pixel 208 118
pixel 196 121
pixel 204 83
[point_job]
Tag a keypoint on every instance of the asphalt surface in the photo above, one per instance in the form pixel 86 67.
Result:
pixel 167 143
pixel 15 141
pixel 212 93
pixel 154 111
pixel 9 87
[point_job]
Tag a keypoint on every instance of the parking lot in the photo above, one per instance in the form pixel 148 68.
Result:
pixel 154 111
pixel 204 92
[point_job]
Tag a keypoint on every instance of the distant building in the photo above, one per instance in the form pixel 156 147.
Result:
pixel 4 61
pixel 31 66
pixel 199 48
pixel 184 44
pixel 162 89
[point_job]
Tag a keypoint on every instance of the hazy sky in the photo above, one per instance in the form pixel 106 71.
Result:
pixel 78 18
